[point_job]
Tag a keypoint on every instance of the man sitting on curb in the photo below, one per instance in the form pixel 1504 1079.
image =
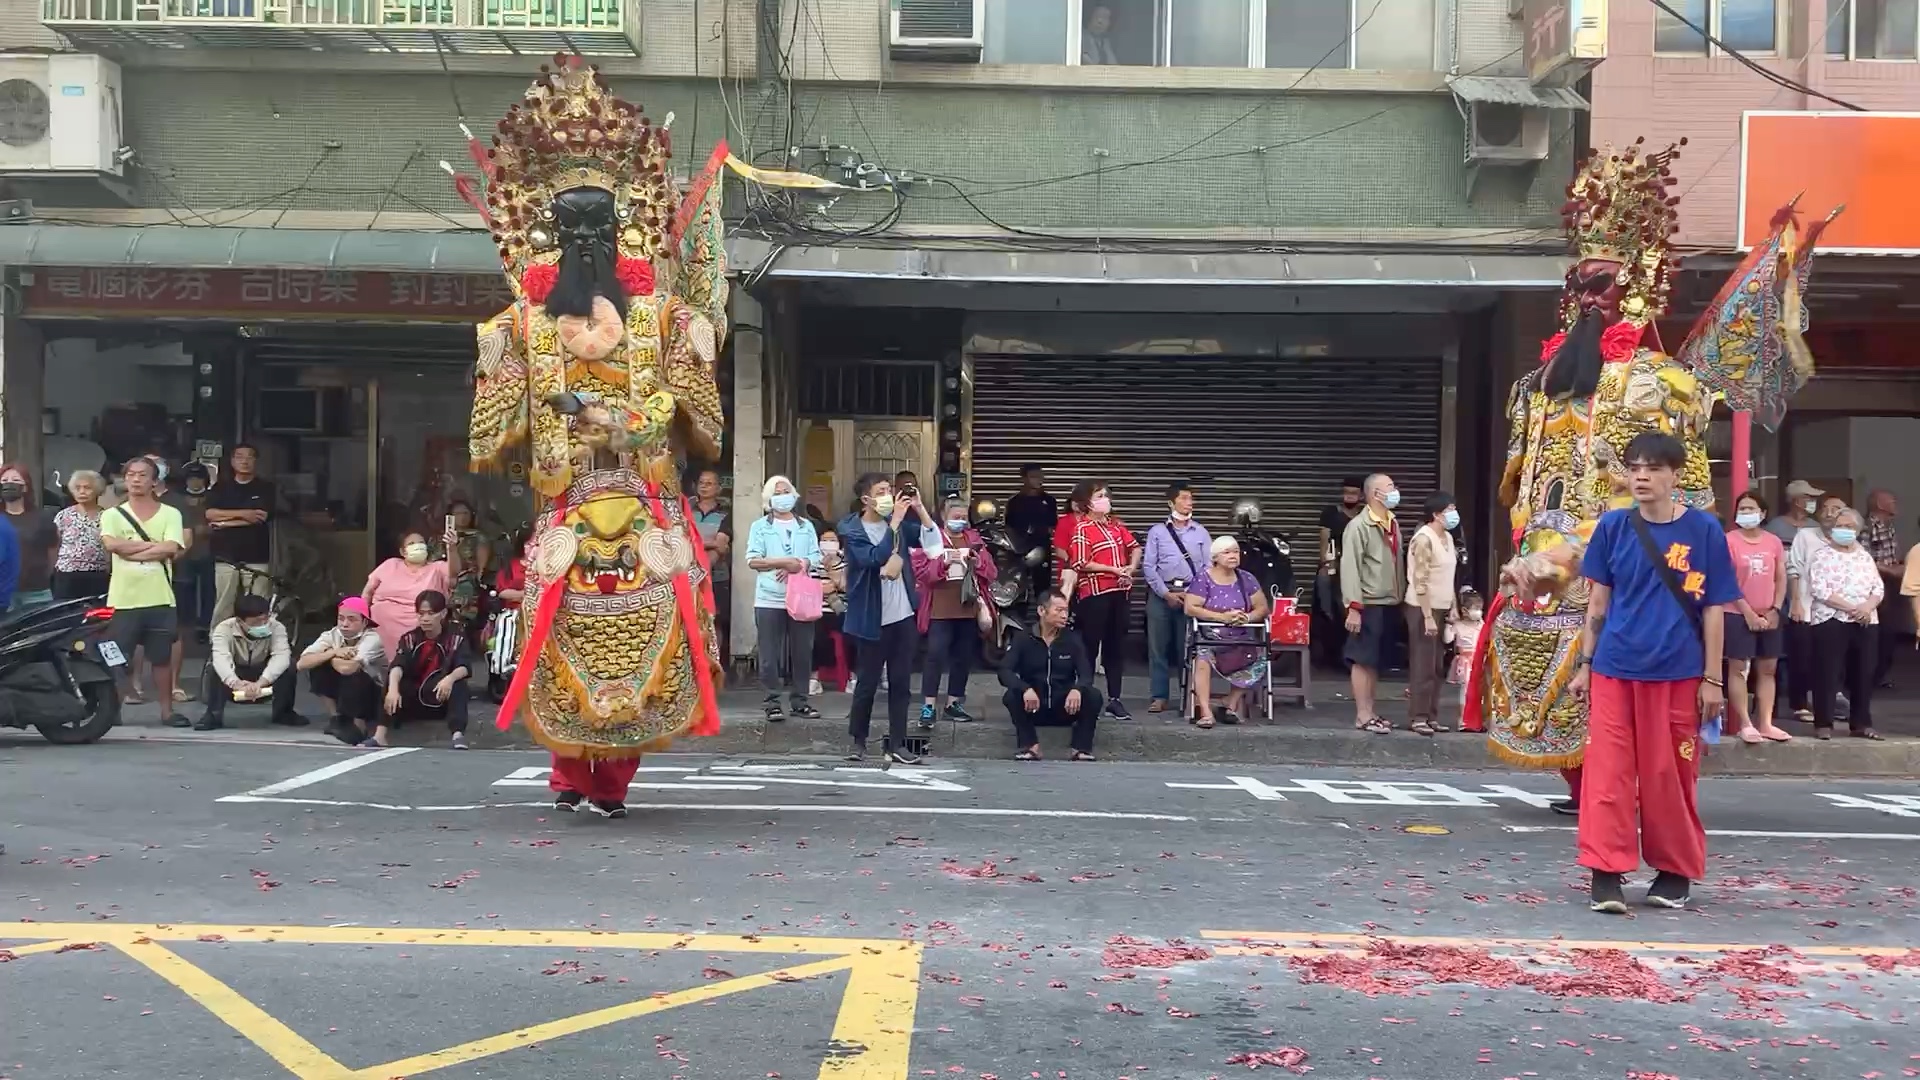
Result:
pixel 346 669
pixel 1049 681
pixel 251 661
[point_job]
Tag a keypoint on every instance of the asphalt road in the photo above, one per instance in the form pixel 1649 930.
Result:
pixel 240 911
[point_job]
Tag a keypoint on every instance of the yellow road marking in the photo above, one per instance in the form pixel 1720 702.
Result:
pixel 587 1021
pixel 1251 942
pixel 873 1034
pixel 295 1054
pixel 116 933
pixel 36 947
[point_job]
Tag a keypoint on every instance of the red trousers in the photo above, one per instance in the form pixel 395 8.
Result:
pixel 601 781
pixel 1643 750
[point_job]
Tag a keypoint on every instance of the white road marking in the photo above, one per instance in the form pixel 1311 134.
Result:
pixel 1757 834
pixel 756 777
pixel 1896 805
pixel 315 776
pixel 950 811
pixel 1376 792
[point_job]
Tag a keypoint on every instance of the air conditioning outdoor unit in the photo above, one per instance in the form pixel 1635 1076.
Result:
pixel 59 114
pixel 947 30
pixel 1501 133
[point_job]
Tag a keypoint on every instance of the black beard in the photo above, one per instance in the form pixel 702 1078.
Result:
pixel 586 273
pixel 1574 370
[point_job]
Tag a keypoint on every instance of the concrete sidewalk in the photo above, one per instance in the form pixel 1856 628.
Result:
pixel 1320 735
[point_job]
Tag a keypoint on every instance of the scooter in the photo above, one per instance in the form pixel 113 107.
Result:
pixel 1019 560
pixel 58 671
pixel 1266 555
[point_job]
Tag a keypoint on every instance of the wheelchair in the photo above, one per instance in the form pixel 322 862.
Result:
pixel 1253 635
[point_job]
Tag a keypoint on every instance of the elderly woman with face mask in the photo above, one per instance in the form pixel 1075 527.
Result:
pixel 1226 598
pixel 1844 589
pixel 395 585
pixel 782 546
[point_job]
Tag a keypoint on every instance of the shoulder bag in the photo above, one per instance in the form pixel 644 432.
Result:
pixel 1667 576
pixel 806 597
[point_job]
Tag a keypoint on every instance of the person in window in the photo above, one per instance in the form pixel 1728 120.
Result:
pixel 428 679
pixel 1096 47
pixel 39 539
pixel 251 661
pixel 1104 557
pixel 346 666
pixel 239 511
pixel 877 542
pixel 394 588
pixel 1049 682
pixel 1230 598
pixel 781 545
pixel 948 616
pixel 80 566
pixel 1844 587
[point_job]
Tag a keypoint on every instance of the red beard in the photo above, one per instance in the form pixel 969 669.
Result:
pixel 1617 343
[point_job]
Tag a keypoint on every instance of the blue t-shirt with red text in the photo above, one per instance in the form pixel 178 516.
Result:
pixel 1648 636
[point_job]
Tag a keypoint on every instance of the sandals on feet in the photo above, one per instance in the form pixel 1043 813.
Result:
pixel 1026 755
pixel 1869 734
pixel 1205 721
pixel 1375 726
pixel 1751 736
pixel 1776 735
pixel 1082 755
pixel 1421 727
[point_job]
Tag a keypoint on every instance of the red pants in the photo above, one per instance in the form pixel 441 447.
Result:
pixel 601 781
pixel 1643 748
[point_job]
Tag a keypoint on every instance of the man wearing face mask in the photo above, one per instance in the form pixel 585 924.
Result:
pixel 878 540
pixel 1371 587
pixel 251 661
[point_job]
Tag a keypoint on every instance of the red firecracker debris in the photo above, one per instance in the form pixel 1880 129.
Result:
pixel 1291 1058
pixel 987 869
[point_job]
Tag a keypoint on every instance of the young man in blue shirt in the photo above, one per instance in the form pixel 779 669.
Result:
pixel 1650 661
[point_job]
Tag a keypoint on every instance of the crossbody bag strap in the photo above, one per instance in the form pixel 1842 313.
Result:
pixel 1667 576
pixel 1181 544
pixel 165 567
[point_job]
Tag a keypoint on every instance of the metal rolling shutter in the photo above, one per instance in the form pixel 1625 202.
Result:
pixel 1283 430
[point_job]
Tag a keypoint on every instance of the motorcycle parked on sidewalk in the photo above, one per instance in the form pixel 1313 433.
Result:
pixel 1020 561
pixel 502 642
pixel 58 671
pixel 1264 554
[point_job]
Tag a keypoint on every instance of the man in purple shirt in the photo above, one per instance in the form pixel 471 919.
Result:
pixel 1177 552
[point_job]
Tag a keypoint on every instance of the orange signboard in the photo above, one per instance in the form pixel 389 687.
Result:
pixel 1868 162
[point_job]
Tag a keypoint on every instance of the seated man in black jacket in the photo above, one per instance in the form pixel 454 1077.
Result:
pixel 1049 681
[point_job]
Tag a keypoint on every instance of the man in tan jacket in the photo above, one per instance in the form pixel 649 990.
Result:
pixel 1371 587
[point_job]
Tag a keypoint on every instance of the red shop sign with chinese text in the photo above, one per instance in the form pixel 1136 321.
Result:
pixel 265 294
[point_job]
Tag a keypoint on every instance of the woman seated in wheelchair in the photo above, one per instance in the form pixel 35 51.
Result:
pixel 1228 606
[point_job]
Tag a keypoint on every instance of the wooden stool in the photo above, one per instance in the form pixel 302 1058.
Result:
pixel 1299 685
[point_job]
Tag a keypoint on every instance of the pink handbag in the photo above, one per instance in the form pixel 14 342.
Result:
pixel 805 598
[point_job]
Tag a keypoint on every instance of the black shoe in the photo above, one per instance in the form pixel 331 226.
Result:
pixel 568 801
pixel 177 720
pixel 1609 897
pixel 772 711
pixel 858 752
pixel 1117 710
pixel 1565 806
pixel 903 757
pixel 1229 717
pixel 803 711
pixel 342 728
pixel 207 723
pixel 1670 891
pixel 609 808
pixel 292 719
pixel 957 714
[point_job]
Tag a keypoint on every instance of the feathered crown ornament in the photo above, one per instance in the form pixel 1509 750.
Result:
pixel 569 131
pixel 1618 209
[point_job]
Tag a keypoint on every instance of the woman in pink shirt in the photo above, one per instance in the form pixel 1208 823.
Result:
pixel 396 584
pixel 1754 639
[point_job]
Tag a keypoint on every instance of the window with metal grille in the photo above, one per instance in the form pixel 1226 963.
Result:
pixel 865 388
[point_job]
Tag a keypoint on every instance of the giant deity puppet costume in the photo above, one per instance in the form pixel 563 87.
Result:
pixel 1603 379
pixel 602 375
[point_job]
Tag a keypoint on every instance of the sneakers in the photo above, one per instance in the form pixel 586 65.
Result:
pixel 1670 891
pixel 957 714
pixel 772 710
pixel 903 757
pixel 814 687
pixel 459 740
pixel 177 720
pixel 1608 895
pixel 926 717
pixel 609 808
pixel 205 723
pixel 858 752
pixel 1565 806
pixel 803 711
pixel 568 801
pixel 292 719
pixel 342 729
pixel 1118 710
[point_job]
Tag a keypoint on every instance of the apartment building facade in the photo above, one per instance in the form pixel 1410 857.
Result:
pixel 1255 244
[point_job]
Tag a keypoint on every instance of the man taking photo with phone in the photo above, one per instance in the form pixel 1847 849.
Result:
pixel 1650 662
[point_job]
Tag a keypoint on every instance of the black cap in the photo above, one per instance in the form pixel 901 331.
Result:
pixel 1356 482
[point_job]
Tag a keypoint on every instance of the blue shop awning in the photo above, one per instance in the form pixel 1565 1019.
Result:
pixel 204 248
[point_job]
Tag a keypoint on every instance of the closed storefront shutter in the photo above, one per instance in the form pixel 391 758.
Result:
pixel 1282 430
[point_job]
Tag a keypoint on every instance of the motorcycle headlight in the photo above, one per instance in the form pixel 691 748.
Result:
pixel 1004 591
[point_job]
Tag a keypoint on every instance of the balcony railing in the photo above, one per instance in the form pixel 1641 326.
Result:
pixel 605 27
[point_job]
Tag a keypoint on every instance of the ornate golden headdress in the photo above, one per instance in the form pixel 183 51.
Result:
pixel 570 131
pixel 1618 209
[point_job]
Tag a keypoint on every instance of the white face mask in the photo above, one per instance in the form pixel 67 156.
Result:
pixel 1811 508
pixel 1749 520
pixel 829 549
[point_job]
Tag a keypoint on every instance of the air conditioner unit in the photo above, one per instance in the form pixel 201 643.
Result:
pixel 1501 133
pixel 59 114
pixel 949 30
